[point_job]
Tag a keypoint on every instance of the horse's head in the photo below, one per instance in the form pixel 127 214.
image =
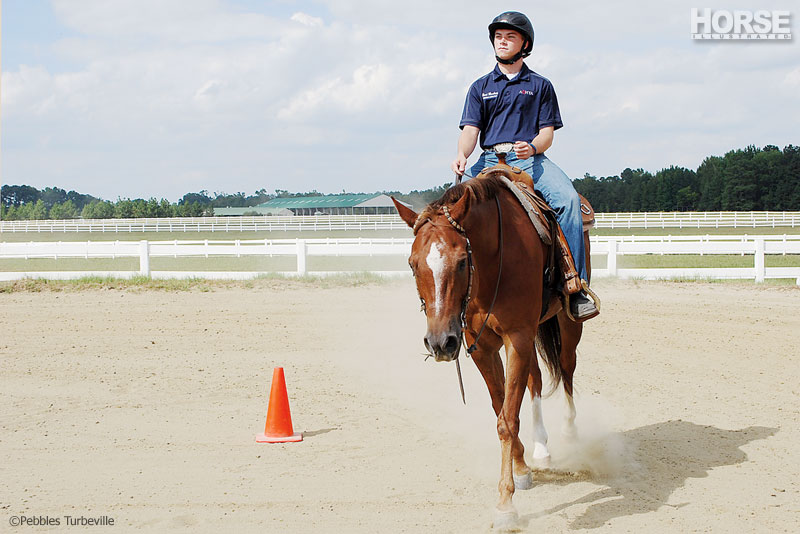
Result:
pixel 441 266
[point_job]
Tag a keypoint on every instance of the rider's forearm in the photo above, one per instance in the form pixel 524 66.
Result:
pixel 467 140
pixel 543 140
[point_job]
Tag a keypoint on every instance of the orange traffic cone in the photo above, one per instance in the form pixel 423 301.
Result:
pixel 279 419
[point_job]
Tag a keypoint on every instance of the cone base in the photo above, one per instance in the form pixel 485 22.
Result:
pixel 263 438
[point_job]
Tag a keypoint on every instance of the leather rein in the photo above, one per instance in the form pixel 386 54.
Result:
pixel 471 266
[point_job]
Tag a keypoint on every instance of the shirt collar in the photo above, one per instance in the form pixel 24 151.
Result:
pixel 524 73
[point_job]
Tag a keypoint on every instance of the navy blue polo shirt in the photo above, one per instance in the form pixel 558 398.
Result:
pixel 510 110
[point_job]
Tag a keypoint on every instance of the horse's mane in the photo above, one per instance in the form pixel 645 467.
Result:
pixel 484 188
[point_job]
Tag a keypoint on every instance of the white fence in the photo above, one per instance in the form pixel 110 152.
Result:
pixel 757 246
pixel 305 223
pixel 301 249
pixel 699 219
pixel 663 220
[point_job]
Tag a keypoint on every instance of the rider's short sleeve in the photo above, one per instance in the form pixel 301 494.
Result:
pixel 549 114
pixel 473 108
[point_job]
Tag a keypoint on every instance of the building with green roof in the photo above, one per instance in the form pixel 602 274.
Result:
pixel 351 204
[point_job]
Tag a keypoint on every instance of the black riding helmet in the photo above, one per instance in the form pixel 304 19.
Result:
pixel 513 20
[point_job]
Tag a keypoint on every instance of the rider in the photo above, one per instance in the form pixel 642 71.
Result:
pixel 513 104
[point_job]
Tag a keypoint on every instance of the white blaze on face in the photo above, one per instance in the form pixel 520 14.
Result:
pixel 436 262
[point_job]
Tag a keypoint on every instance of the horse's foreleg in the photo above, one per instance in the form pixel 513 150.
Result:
pixel 490 366
pixel 518 351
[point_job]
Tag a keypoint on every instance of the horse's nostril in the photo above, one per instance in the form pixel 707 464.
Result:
pixel 452 344
pixel 427 345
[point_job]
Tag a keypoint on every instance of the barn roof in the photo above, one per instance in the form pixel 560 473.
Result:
pixel 330 201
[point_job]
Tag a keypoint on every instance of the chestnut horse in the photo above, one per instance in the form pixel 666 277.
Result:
pixel 479 266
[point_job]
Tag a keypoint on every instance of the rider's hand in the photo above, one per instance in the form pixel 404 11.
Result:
pixel 459 165
pixel 523 149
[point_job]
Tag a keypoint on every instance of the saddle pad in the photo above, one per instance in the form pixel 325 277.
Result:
pixel 533 206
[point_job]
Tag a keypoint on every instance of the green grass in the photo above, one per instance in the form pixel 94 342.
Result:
pixel 219 263
pixel 400 233
pixel 788 230
pixel 17 237
pixel 769 282
pixel 667 261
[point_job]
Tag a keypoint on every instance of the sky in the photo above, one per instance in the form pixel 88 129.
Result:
pixel 157 98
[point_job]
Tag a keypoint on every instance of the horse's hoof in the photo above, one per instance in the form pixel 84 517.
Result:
pixel 506 521
pixel 542 462
pixel 523 482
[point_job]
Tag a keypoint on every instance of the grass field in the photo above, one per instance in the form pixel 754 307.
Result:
pixel 381 263
pixel 378 263
pixel 220 263
pixel 280 234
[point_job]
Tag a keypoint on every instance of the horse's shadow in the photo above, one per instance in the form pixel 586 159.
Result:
pixel 665 456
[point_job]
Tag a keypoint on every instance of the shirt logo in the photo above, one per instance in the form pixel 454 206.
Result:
pixel 490 94
pixel 526 92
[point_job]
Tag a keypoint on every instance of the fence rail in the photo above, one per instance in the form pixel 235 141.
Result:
pixel 663 220
pixel 612 247
pixel 211 224
pixel 701 219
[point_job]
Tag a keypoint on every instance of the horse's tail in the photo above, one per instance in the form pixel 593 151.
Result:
pixel 548 345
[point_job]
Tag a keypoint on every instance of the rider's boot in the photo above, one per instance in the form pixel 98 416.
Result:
pixel 583 303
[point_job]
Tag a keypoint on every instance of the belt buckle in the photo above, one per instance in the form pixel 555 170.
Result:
pixel 503 148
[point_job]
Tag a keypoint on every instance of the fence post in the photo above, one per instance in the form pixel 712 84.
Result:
pixel 611 263
pixel 759 260
pixel 302 249
pixel 144 258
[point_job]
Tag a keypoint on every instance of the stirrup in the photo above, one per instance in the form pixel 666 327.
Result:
pixel 592 295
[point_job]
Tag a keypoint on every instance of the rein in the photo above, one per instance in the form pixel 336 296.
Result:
pixel 471 266
pixel 474 345
pixel 472 348
pixel 463 232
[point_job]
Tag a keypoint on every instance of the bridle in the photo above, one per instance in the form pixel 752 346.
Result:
pixel 468 296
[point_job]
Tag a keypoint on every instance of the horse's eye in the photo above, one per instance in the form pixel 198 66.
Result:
pixel 462 265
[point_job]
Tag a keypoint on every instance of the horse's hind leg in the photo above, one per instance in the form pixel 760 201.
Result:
pixel 541 455
pixel 570 337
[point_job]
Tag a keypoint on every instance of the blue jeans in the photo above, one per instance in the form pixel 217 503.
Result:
pixel 558 191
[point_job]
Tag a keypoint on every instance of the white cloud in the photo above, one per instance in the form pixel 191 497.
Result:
pixel 178 21
pixel 306 20
pixel 165 97
pixel 792 78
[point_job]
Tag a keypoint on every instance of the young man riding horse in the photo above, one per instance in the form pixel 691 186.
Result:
pixel 515 106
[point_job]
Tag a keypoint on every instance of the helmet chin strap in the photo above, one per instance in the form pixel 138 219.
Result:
pixel 516 57
pixel 511 61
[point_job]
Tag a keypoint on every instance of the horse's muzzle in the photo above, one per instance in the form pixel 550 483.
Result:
pixel 443 345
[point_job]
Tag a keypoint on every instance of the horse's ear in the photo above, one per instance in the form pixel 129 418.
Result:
pixel 459 210
pixel 406 213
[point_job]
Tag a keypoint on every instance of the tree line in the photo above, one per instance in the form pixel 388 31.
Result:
pixel 749 179
pixel 24 202
pixel 21 202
